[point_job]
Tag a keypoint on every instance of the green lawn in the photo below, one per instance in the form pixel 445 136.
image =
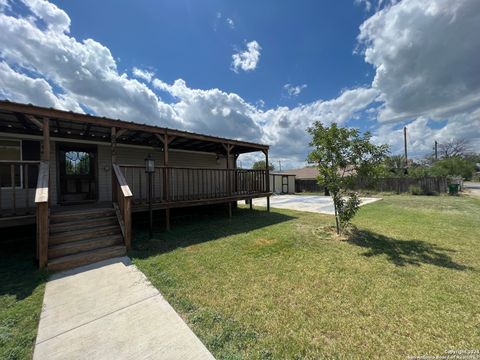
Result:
pixel 282 285
pixel 21 295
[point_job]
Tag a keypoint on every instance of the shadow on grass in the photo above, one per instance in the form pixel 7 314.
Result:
pixel 200 229
pixel 405 252
pixel 19 275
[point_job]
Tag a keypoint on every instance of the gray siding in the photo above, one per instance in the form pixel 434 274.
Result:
pixel 130 155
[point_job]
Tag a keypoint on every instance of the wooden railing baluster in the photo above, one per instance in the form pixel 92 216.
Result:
pixel 196 183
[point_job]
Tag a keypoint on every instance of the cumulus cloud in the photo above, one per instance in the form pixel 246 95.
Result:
pixel 55 18
pixel 426 57
pixel 247 60
pixel 292 90
pixel 14 85
pixel 143 74
pixel 85 71
pixel 213 111
pixel 425 54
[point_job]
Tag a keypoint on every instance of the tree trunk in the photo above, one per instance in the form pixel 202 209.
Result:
pixel 336 213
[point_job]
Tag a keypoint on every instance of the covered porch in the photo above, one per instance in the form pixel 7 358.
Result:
pixel 117 151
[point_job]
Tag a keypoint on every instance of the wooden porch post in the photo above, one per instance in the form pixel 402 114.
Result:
pixel 113 140
pixel 166 179
pixel 228 149
pixel 267 175
pixel 46 140
pixel 42 199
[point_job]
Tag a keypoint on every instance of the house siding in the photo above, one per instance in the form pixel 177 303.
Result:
pixel 127 155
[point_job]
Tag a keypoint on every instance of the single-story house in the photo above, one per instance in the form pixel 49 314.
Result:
pixel 282 182
pixel 80 177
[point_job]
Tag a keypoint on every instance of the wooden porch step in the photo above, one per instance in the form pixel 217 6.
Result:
pixel 86 257
pixel 88 232
pixel 77 215
pixel 82 224
pixel 74 247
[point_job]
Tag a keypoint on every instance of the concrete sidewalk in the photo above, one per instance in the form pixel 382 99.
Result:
pixel 109 310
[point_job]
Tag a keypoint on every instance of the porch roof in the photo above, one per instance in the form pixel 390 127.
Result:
pixel 26 119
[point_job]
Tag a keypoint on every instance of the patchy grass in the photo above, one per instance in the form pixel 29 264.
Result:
pixel 21 295
pixel 282 285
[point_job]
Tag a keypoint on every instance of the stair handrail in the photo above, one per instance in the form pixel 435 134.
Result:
pixel 42 213
pixel 122 197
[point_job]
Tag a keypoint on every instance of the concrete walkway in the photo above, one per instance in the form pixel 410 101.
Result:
pixel 310 203
pixel 109 310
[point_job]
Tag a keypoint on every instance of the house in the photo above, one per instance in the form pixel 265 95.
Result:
pixel 282 182
pixel 80 177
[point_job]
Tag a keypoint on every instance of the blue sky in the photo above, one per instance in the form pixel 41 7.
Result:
pixel 261 71
pixel 309 44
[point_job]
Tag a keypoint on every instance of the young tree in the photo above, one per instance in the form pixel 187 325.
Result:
pixel 342 154
pixel 260 165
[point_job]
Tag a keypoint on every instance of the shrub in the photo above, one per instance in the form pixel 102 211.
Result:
pixel 453 166
pixel 415 190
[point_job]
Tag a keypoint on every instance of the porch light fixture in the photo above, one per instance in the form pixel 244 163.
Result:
pixel 149 164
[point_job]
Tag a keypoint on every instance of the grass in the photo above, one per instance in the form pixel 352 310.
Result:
pixel 21 295
pixel 282 285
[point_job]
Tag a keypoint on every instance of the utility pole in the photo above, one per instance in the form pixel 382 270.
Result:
pixel 405 144
pixel 279 165
pixel 436 150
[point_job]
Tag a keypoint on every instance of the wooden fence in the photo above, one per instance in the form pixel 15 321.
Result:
pixel 426 185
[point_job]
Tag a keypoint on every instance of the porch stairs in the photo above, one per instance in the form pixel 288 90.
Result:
pixel 83 236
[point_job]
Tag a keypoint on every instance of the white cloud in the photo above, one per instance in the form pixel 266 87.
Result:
pixel 426 57
pixel 230 23
pixel 247 60
pixel 294 90
pixel 425 54
pixel 213 111
pixel 14 85
pixel 55 18
pixel 85 71
pixel 219 18
pixel 366 3
pixel 143 74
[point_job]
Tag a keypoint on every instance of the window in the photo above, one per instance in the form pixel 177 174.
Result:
pixel 10 150
pixel 77 163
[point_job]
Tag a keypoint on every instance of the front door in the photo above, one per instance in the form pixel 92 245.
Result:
pixel 77 177
pixel 284 184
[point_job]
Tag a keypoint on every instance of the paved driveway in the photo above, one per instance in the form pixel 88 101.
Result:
pixel 311 203
pixel 472 188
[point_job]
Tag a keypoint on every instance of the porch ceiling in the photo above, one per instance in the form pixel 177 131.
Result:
pixel 26 119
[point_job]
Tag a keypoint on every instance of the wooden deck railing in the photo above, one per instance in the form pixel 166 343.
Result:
pixel 17 181
pixel 179 184
pixel 41 199
pixel 122 202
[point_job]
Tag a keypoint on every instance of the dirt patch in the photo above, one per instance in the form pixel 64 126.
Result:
pixel 192 248
pixel 265 242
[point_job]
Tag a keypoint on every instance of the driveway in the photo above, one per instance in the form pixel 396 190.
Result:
pixel 473 188
pixel 109 310
pixel 310 203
